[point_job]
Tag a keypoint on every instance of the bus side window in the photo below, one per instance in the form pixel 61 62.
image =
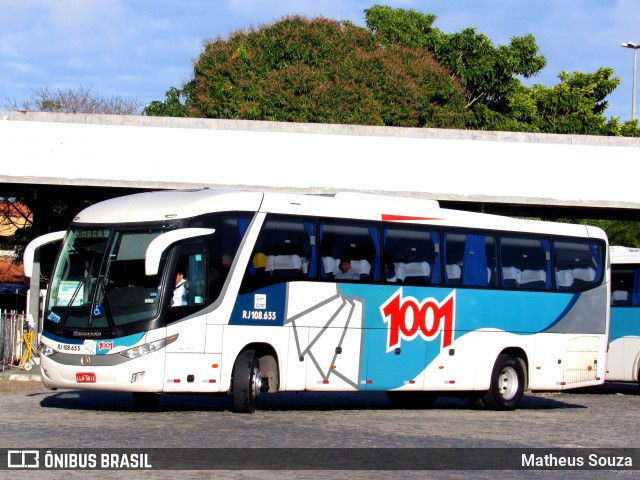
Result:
pixel 625 283
pixel 578 264
pixel 526 262
pixel 189 287
pixel 350 250
pixel 284 251
pixel 411 255
pixel 470 259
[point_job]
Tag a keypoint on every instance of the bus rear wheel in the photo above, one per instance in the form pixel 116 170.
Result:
pixel 246 382
pixel 507 385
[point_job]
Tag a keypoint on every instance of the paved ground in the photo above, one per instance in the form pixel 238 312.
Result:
pixel 34 417
pixel 17 380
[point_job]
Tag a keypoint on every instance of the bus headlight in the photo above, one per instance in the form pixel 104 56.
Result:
pixel 151 347
pixel 45 350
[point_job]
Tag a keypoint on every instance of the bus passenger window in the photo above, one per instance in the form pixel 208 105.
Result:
pixel 578 264
pixel 625 285
pixel 411 255
pixel 526 262
pixel 349 251
pixel 284 251
pixel 470 259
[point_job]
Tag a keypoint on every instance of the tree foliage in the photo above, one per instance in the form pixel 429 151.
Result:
pixel 574 106
pixel 487 73
pixel 491 78
pixel 319 71
pixel 619 232
pixel 173 105
pixel 403 71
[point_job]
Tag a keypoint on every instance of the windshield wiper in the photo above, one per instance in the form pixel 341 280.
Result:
pixel 67 309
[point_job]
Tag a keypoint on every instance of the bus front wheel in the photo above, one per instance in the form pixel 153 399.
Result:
pixel 507 385
pixel 246 382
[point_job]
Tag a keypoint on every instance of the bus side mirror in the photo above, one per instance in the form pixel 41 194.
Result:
pixel 162 242
pixel 30 251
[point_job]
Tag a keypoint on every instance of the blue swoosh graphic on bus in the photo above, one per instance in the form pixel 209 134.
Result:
pixel 519 313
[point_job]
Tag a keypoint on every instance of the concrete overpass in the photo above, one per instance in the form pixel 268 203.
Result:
pixel 101 156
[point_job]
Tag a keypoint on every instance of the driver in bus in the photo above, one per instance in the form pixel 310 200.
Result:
pixel 180 290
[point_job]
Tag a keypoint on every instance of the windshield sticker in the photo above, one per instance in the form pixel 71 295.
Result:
pixel 54 318
pixel 98 310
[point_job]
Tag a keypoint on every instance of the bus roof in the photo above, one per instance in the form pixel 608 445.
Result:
pixel 621 254
pixel 178 204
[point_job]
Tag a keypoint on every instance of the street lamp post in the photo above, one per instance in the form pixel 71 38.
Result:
pixel 635 47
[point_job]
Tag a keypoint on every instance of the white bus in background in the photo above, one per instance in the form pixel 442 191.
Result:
pixel 435 302
pixel 623 361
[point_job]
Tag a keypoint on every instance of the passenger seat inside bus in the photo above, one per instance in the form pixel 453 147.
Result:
pixel 454 273
pixel 417 273
pixel 620 297
pixel 536 279
pixel 284 265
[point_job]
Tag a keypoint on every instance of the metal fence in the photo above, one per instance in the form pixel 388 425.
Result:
pixel 14 332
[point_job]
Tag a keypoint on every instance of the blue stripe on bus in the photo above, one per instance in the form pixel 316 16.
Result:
pixel 128 341
pixel 625 322
pixel 521 313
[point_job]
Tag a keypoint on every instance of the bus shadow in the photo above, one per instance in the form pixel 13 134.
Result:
pixel 611 388
pixel 283 401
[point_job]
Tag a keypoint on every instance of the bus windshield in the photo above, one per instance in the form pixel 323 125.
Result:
pixel 99 281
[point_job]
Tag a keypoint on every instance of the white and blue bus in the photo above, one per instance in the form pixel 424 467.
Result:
pixel 623 361
pixel 280 292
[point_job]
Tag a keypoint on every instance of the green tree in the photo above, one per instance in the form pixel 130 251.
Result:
pixel 491 78
pixel 173 105
pixel 619 232
pixel 319 71
pixel 573 106
pixel 488 73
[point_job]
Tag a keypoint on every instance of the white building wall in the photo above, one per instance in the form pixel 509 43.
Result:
pixel 154 152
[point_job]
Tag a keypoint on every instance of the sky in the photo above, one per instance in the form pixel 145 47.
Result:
pixel 139 49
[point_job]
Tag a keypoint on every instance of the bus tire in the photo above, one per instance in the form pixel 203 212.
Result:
pixel 145 401
pixel 412 399
pixel 507 385
pixel 246 382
